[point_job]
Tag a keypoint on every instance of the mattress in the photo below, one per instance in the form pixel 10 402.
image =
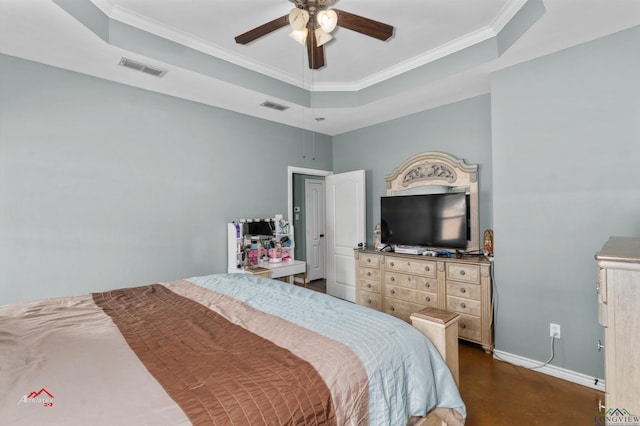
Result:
pixel 220 349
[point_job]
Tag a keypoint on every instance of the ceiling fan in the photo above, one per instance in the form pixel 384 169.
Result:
pixel 312 22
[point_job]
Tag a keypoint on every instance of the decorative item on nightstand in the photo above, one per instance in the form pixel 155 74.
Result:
pixel 377 232
pixel 284 225
pixel 275 253
pixel 488 242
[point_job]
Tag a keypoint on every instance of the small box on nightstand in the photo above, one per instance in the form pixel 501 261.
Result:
pixel 257 270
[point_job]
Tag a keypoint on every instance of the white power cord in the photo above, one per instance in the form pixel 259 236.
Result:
pixel 553 338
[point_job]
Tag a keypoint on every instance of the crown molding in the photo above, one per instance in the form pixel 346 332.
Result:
pixel 167 32
pixel 162 30
pixel 104 5
pixel 506 14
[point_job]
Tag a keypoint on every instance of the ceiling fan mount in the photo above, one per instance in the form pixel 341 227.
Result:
pixel 312 5
pixel 312 21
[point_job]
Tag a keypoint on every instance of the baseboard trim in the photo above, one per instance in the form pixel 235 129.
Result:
pixel 551 370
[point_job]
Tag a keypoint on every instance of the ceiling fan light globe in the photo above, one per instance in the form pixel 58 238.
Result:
pixel 298 18
pixel 299 36
pixel 322 37
pixel 327 19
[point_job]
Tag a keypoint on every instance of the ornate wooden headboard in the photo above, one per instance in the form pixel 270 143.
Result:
pixel 439 172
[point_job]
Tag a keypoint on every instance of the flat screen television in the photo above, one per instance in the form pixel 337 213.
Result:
pixel 428 220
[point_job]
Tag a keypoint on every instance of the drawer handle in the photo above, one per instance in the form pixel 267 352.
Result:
pixel 392 308
pixel 392 279
pixel 426 268
pixel 393 291
pixel 370 302
pixel 368 274
pixel 391 264
pixel 428 299
pixel 409 279
pixel 463 305
pixel 462 272
pixel 369 260
pixel 600 346
pixel 463 290
pixel 408 263
pixel 369 285
pixel 427 285
pixel 463 325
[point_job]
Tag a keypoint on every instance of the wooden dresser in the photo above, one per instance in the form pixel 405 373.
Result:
pixel 619 314
pixel 401 284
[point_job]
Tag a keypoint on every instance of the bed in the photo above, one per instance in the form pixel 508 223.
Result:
pixel 221 349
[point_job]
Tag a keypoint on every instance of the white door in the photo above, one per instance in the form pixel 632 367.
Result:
pixel 315 211
pixel 346 224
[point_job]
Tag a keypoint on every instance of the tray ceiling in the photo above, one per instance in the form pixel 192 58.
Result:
pixel 441 51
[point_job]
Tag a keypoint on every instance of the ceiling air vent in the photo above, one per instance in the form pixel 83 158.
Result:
pixel 126 62
pixel 273 105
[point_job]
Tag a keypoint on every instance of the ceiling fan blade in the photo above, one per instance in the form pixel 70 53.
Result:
pixel 262 30
pixel 314 52
pixel 363 25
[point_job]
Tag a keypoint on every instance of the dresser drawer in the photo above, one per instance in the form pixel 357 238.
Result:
pixel 370 274
pixel 368 260
pixel 467 290
pixel 423 267
pixel 409 295
pixel 369 285
pixel 370 300
pixel 469 328
pixel 463 272
pixel 401 309
pixel 410 281
pixel 463 306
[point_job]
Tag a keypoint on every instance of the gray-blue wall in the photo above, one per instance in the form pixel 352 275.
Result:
pixel 462 129
pixel 566 155
pixel 103 185
pixel 558 144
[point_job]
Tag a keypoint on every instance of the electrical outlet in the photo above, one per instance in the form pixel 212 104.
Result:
pixel 554 330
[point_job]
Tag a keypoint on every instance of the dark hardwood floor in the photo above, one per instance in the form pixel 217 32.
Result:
pixel 497 393
pixel 318 285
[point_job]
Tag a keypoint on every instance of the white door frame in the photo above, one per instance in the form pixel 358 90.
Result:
pixel 291 170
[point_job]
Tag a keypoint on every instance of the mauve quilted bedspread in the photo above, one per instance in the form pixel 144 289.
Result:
pixel 221 349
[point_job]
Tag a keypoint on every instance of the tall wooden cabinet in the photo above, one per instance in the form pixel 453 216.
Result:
pixel 619 314
pixel 401 284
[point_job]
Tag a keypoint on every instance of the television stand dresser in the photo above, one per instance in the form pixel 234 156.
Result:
pixel 401 284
